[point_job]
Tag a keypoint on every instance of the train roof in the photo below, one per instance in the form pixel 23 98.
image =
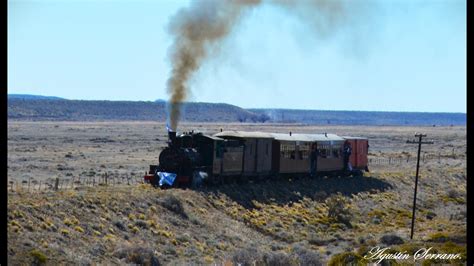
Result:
pixel 212 137
pixel 280 136
pixel 307 137
pixel 245 134
pixel 349 137
pixel 200 135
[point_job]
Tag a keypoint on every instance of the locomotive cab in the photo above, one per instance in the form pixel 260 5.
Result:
pixel 188 156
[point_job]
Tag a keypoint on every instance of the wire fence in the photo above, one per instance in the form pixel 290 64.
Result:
pixel 111 180
pixel 424 157
pixel 105 180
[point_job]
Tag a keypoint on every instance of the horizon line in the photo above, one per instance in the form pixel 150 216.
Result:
pixel 245 108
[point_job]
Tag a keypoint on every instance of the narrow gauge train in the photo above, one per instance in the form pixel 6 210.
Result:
pixel 193 158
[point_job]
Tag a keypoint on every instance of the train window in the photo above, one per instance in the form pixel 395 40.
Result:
pixel 324 150
pixel 336 151
pixel 304 151
pixel 288 151
pixel 304 155
pixel 300 155
pixel 323 153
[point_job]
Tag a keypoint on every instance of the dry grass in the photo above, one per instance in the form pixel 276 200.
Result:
pixel 293 221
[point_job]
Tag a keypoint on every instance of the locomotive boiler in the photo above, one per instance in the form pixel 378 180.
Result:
pixel 186 161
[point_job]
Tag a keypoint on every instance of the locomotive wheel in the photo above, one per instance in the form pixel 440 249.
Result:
pixel 243 179
pixel 216 180
pixel 225 180
pixel 357 173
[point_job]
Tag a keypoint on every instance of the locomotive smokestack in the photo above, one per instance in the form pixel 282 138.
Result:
pixel 171 138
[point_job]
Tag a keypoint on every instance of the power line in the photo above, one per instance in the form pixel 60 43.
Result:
pixel 419 142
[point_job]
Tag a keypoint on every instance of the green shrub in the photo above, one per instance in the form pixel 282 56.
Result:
pixel 391 239
pixel 307 257
pixel 174 204
pixel 439 237
pixel 38 256
pixel 338 209
pixel 347 258
pixel 247 257
pixel 279 259
pixel 137 255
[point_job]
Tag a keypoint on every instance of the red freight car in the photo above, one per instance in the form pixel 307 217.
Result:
pixel 360 149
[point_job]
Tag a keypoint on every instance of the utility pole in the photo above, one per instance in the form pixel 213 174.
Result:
pixel 419 142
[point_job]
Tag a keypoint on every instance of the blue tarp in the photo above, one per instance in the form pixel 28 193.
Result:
pixel 166 178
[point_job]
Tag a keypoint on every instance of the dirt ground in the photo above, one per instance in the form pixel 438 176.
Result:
pixel 43 150
pixel 287 220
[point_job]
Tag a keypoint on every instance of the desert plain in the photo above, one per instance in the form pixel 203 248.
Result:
pixel 295 221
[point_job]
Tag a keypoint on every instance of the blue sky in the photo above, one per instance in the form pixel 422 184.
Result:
pixel 400 56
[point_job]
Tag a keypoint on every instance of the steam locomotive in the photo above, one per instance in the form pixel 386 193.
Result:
pixel 192 159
